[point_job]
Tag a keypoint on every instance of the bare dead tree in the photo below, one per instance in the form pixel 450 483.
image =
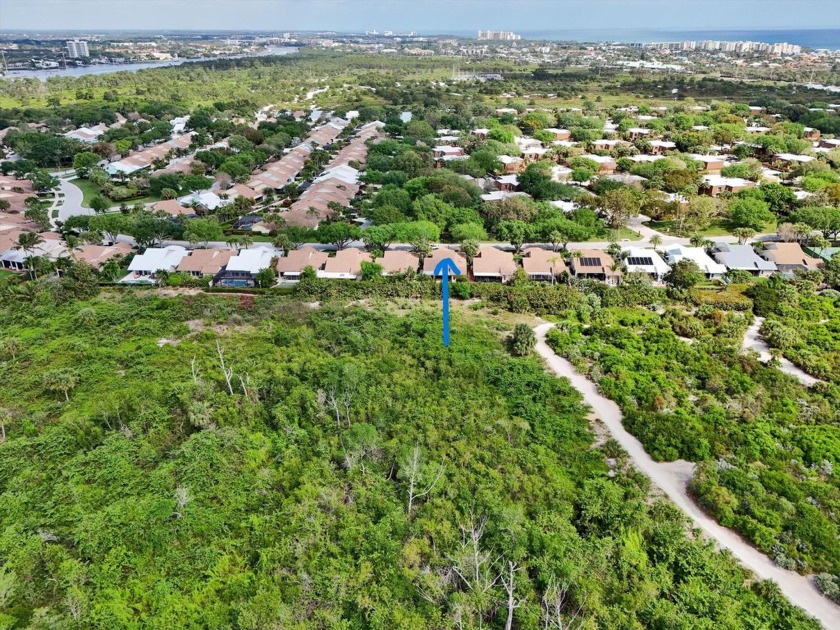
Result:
pixel 413 468
pixel 226 371
pixel 554 602
pixel 475 566
pixel 182 499
pixel 509 582
pixel 194 371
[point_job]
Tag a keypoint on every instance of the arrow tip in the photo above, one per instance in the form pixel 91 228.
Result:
pixel 447 265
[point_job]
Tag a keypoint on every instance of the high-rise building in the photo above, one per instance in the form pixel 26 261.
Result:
pixel 498 35
pixel 77 48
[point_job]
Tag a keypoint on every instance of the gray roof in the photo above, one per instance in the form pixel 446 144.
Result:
pixel 741 257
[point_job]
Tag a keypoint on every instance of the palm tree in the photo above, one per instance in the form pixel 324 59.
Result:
pixel 744 234
pixel 656 241
pixel 27 242
pixel 61 380
pixel 246 241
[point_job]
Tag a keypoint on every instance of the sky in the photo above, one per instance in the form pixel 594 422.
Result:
pixel 423 16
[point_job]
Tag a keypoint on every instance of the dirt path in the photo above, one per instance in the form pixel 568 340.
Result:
pixel 753 340
pixel 673 477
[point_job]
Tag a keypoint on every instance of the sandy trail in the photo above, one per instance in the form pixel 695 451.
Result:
pixel 673 477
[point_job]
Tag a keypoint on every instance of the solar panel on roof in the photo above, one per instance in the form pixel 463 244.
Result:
pixel 641 261
pixel 590 262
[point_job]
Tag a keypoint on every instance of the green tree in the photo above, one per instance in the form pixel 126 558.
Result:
pixel 203 231
pixel 100 204
pixel 751 213
pixel 522 340
pixel 83 162
pixel 266 277
pixel 339 234
pixel 684 275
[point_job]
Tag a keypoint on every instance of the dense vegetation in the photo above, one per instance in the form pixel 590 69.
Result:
pixel 219 462
pixel 765 445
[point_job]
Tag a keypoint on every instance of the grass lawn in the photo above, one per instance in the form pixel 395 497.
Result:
pixel 717 227
pixel 625 233
pixel 91 191
pixel 5 274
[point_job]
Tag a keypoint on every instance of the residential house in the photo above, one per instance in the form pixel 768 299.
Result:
pixel 742 258
pixel 437 255
pixel 605 145
pixel 205 262
pixel 646 261
pixel 787 161
pixel 511 164
pixel 206 200
pixel 508 183
pixel 711 163
pixel 242 269
pixel 636 133
pixel 87 135
pixel 97 255
pixel 595 264
pixel 52 247
pixel 172 207
pixel 660 147
pixel 606 165
pixel 145 266
pixel 559 134
pixel 811 133
pixel 830 143
pixel 345 265
pixel 397 261
pixel 543 265
pixel 789 257
pixel 480 133
pixel 442 151
pixel 713 185
pixel 292 265
pixel 493 265
pixel 710 268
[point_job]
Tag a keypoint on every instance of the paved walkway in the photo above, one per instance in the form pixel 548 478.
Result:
pixel 673 477
pixel 753 340
pixel 68 205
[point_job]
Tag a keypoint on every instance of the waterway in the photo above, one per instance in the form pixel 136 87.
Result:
pixel 105 68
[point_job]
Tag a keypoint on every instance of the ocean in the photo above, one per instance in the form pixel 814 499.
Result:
pixel 811 38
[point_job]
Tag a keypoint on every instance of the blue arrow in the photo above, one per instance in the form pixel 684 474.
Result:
pixel 442 269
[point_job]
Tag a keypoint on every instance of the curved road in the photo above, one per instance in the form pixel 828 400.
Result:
pixel 673 478
pixel 753 340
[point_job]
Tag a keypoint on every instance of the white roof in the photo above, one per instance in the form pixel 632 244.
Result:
pixel 657 266
pixel 792 157
pixel 601 159
pixel 663 143
pixel 208 199
pixel 508 179
pixel 676 253
pixel 565 206
pixel 646 158
pixel 447 149
pixel 344 172
pixel 718 180
pixel 252 260
pixel 506 159
pixel 157 258
pixel 707 158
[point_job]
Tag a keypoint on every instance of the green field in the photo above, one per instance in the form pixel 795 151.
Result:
pixel 717 227
pixel 90 191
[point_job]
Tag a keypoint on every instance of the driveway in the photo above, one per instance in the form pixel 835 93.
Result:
pixel 71 204
pixel 673 477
